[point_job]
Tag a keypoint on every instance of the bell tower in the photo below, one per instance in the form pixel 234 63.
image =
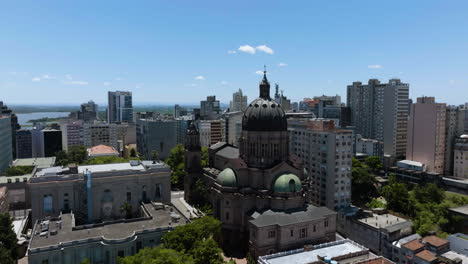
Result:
pixel 192 159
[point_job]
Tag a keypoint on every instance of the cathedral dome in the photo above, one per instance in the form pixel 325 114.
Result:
pixel 264 113
pixel 287 183
pixel 227 178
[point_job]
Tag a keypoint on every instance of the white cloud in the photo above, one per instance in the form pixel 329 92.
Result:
pixel 107 83
pixel 374 66
pixel 190 85
pixel 282 64
pixel 43 77
pixel 68 76
pixel 36 79
pixel 200 78
pixel 77 83
pixel 247 49
pixel 259 72
pixel 232 52
pixel 265 48
pixel 224 83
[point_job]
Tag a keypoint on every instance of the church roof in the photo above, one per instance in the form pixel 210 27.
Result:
pixel 229 152
pixel 289 217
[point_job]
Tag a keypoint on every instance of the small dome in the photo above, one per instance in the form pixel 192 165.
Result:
pixel 287 183
pixel 227 178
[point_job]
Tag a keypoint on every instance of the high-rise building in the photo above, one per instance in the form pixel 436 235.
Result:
pixel 45 142
pixel 233 127
pixel 210 109
pixel 239 102
pixel 23 144
pixel 454 127
pixel 159 135
pixel 179 111
pixel 4 110
pixel 212 132
pixel 72 134
pixel 88 111
pixel 6 149
pixel 281 99
pixel 460 169
pixel 120 107
pixel 426 134
pixel 100 134
pixel 326 152
pixel 380 111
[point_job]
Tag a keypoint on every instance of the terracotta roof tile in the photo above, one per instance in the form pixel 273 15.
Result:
pixel 413 245
pixel 426 255
pixel 435 241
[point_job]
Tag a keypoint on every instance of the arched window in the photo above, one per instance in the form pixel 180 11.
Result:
pixel 292 186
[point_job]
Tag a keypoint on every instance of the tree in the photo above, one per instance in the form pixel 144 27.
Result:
pixel 154 155
pixel 374 163
pixel 429 194
pixel 176 162
pixel 61 158
pixel 8 240
pixel 207 251
pixel 77 154
pixel 133 153
pixel 5 256
pixel 363 185
pixel 204 156
pixel 157 255
pixel 85 261
pixel 19 170
pixel 397 197
pixel 126 209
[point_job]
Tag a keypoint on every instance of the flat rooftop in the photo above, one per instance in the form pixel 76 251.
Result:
pixel 38 162
pixel 452 255
pixel 386 221
pixel 301 256
pixel 461 209
pixel 161 218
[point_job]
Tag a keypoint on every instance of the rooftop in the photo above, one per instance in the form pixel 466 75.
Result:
pixel 435 241
pixel 461 209
pixel 284 218
pixel 387 221
pixel 411 162
pixel 331 250
pixel 102 150
pixel 39 162
pixel 452 255
pixel 426 255
pixel 413 245
pixel 66 232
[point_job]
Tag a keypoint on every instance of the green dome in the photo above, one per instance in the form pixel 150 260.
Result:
pixel 227 178
pixel 287 183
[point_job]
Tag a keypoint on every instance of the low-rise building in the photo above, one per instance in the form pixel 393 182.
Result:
pixel 375 231
pixel 370 147
pixel 425 257
pixel 341 251
pixel 436 244
pixel 405 247
pixel 102 151
pixel 459 243
pixel 61 239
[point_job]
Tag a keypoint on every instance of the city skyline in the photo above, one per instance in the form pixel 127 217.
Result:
pixel 218 48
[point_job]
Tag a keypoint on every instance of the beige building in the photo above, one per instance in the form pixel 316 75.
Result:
pixel 56 190
pixel 460 168
pixel 212 132
pixel 326 152
pixel 233 127
pixel 239 102
pixel 426 134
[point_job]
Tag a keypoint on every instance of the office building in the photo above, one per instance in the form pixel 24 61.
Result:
pixel 369 147
pixel 5 111
pixel 72 134
pixel 454 128
pixel 212 132
pixel 380 111
pixel 23 144
pixel 239 102
pixel 233 129
pixel 258 190
pixel 210 109
pixel 341 251
pixel 120 107
pixel 426 134
pixel 178 111
pixel 160 136
pixel 100 134
pixel 326 153
pixel 281 99
pixel 460 161
pixel 6 149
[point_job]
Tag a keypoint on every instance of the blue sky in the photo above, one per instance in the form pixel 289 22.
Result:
pixel 67 52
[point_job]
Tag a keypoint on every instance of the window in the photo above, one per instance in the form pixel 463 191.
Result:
pixel 326 223
pixel 303 233
pixel 315 228
pixel 120 253
pixel 45 261
pixel 129 196
pixel 227 216
pixel 292 232
pixel 271 233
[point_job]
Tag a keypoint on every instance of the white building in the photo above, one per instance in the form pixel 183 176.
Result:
pixel 370 147
pixel 239 102
pixel 326 152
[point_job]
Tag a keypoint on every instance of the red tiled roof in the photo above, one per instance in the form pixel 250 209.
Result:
pixel 102 149
pixel 426 255
pixel 413 245
pixel 435 241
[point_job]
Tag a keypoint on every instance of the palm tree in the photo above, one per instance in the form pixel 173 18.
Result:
pixel 126 209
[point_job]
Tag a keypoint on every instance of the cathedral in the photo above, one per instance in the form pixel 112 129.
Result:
pixel 258 190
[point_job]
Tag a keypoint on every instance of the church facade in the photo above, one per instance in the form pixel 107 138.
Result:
pixel 258 190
